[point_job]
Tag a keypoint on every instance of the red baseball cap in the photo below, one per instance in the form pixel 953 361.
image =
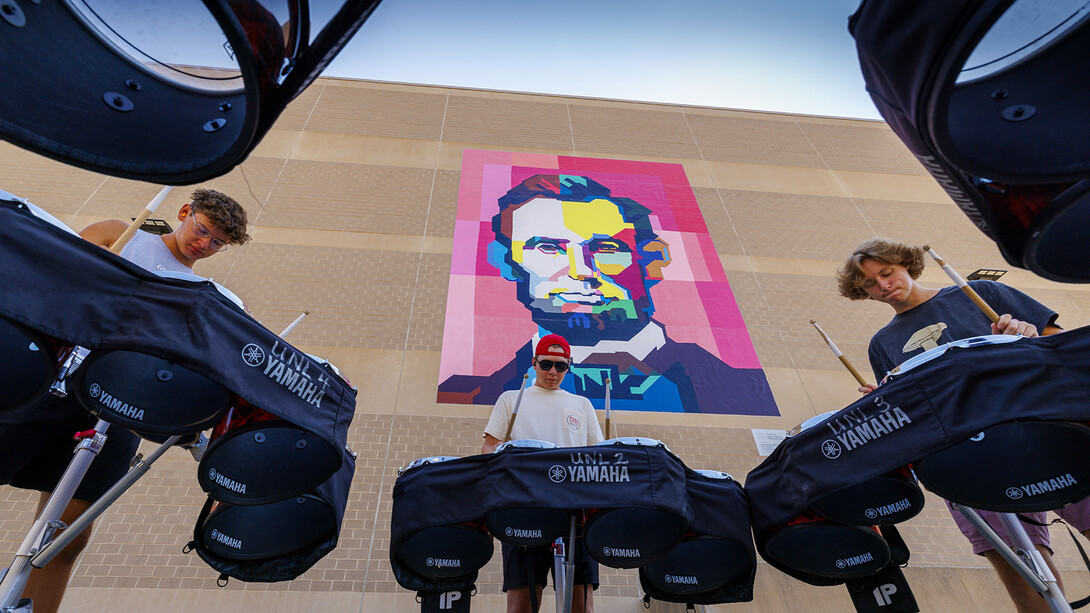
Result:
pixel 543 346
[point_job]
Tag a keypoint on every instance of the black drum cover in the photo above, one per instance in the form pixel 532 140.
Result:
pixel 1014 467
pixel 278 541
pixel 821 552
pixel 266 531
pixel 28 364
pixel 699 565
pixel 148 395
pixel 265 461
pixel 444 553
pixel 529 526
pixel 889 499
pixel 632 537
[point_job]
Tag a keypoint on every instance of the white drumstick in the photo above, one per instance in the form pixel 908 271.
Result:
pixel 607 408
pixel 292 325
pixel 515 412
pixel 969 291
pixel 838 354
pixel 140 219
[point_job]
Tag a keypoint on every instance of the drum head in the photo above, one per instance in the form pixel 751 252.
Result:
pixel 148 394
pixel 1014 467
pixel 525 443
pixel 267 531
pixel 28 365
pixel 699 564
pixel 265 461
pixel 528 527
pixel 630 537
pixel 446 552
pixel 889 499
pixel 825 553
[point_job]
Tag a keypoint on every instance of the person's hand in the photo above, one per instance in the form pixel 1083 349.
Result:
pixel 1010 325
pixel 866 389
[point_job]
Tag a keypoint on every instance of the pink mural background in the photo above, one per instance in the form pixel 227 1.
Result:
pixel 485 322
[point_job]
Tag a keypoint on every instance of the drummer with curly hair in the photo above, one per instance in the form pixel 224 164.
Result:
pixel 36 440
pixel 547 413
pixel 886 271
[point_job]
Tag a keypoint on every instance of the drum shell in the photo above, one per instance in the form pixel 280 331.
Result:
pixel 277 541
pixel 148 395
pixel 698 569
pixel 885 500
pixel 446 553
pixel 822 552
pixel 716 562
pixel 28 364
pixel 630 537
pixel 1020 467
pixel 256 458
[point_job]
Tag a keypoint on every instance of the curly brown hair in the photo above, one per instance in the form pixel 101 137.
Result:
pixel 849 277
pixel 223 211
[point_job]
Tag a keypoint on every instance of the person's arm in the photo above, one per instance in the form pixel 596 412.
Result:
pixel 104 233
pixel 497 424
pixel 490 443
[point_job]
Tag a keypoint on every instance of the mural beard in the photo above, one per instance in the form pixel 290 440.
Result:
pixel 587 329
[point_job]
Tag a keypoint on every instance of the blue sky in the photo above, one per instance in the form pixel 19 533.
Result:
pixel 793 56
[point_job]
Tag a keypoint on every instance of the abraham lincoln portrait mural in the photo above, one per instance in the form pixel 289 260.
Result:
pixel 614 256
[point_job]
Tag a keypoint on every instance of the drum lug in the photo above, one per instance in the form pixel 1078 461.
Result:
pixel 71 363
pixel 196 449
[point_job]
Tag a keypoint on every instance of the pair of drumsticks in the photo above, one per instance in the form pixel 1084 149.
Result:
pixel 960 282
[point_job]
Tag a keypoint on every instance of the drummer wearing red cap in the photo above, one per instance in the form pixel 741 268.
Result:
pixel 546 413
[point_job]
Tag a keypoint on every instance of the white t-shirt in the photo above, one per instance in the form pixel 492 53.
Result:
pixel 556 416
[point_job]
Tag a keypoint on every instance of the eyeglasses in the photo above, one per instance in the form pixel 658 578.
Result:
pixel 547 365
pixel 202 232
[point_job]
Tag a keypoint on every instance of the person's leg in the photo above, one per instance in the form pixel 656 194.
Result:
pixel 518 599
pixel 45 586
pixel 1025 598
pixel 518 563
pixel 1078 515
pixel 582 599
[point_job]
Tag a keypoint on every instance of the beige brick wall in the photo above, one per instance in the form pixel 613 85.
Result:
pixel 353 195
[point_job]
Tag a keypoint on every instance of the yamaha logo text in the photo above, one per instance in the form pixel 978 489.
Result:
pixel 854 560
pixel 858 427
pixel 114 404
pixel 1042 487
pixel 592 468
pixel 289 368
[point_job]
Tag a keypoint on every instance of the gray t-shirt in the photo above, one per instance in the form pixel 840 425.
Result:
pixel 949 316
pixel 149 251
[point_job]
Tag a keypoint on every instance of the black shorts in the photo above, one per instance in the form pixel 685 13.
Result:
pixel 516 562
pixel 36 446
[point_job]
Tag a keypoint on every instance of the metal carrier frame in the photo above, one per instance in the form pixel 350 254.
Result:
pixel 1024 558
pixel 40 546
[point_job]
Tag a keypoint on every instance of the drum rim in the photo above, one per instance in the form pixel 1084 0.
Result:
pixel 515 444
pixel 632 441
pixel 964 343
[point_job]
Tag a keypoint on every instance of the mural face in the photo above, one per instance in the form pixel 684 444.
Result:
pixel 609 254
pixel 579 257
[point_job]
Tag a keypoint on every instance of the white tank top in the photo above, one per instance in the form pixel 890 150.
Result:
pixel 149 251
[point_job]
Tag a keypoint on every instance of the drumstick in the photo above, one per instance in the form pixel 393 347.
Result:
pixel 514 413
pixel 607 408
pixel 292 325
pixel 975 297
pixel 140 219
pixel 837 353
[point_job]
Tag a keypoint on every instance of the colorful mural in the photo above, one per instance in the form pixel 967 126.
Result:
pixel 613 255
